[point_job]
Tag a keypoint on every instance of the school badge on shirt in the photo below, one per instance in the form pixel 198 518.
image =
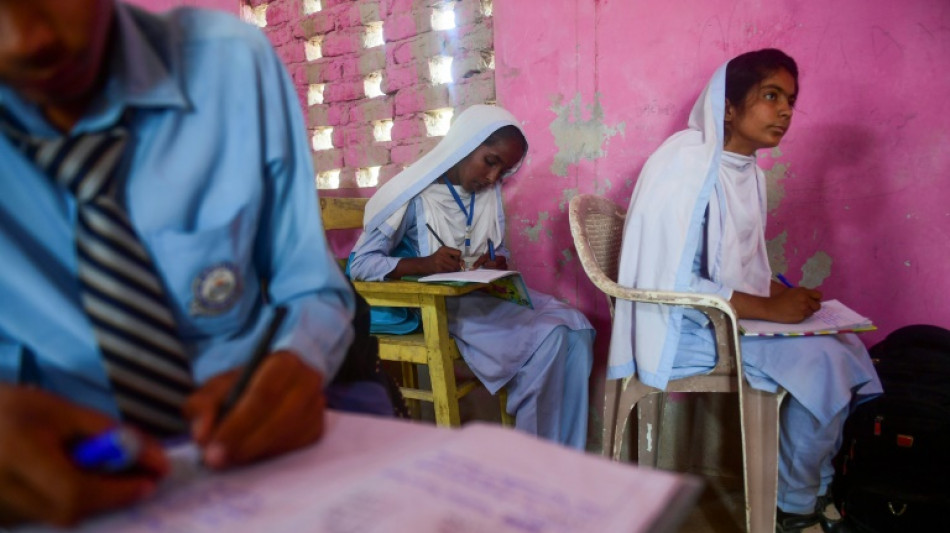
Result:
pixel 215 290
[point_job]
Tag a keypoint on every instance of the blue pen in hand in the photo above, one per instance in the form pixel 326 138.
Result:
pixel 113 450
pixel 785 281
pixel 491 250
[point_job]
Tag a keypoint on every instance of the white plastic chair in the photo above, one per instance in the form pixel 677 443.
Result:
pixel 597 227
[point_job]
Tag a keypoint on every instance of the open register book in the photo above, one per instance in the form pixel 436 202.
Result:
pixel 504 284
pixel 833 317
pixel 378 475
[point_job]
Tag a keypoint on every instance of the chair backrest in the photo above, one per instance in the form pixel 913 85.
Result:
pixel 597 227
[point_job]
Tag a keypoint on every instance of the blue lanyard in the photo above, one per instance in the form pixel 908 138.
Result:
pixel 468 213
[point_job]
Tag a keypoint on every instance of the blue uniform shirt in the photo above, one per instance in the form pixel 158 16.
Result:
pixel 217 179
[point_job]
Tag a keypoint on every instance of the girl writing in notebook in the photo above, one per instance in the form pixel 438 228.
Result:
pixel 439 215
pixel 697 223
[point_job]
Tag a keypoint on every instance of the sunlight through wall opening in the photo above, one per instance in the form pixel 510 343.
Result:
pixel 440 69
pixel 443 17
pixel 367 177
pixel 372 84
pixel 373 35
pixel 329 179
pixel 255 15
pixel 438 121
pixel 313 48
pixel 315 93
pixel 383 130
pixel 322 138
pixel 312 6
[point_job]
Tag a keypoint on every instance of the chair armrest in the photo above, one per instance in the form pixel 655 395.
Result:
pixel 720 312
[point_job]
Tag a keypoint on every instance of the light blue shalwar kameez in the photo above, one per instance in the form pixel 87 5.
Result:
pixel 697 223
pixel 543 356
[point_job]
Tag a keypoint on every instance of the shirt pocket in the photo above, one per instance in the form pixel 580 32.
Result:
pixel 209 274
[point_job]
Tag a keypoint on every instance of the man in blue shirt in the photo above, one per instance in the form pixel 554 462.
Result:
pixel 217 181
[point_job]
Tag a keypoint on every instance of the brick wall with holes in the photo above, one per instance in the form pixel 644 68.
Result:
pixel 379 80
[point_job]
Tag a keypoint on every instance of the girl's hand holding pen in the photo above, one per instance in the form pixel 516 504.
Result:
pixel 500 262
pixel 794 305
pixel 444 259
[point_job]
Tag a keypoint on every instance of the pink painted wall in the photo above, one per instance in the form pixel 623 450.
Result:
pixel 859 205
pixel 857 202
pixel 232 6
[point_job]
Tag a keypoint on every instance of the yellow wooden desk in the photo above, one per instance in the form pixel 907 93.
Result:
pixel 433 347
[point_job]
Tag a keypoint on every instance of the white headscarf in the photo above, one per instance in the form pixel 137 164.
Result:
pixel 386 209
pixel 662 234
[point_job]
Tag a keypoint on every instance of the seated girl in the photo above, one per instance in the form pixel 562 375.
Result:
pixel 697 223
pixel 439 215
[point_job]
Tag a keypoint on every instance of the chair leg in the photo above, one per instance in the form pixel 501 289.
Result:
pixel 612 389
pixel 649 412
pixel 760 442
pixel 632 393
pixel 411 381
pixel 507 420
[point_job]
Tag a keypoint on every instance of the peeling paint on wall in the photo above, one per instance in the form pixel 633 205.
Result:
pixel 816 270
pixel 776 250
pixel 566 196
pixel 534 232
pixel 577 138
pixel 567 254
pixel 603 186
pixel 774 187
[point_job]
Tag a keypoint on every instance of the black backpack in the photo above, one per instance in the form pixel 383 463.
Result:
pixel 893 469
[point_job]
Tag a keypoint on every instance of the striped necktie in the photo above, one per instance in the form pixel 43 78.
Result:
pixel 121 293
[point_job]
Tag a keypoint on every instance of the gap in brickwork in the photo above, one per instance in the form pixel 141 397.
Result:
pixel 329 179
pixel 390 79
pixel 322 139
pixel 438 121
pixel 312 6
pixel 383 130
pixel 367 177
pixel 443 17
pixel 372 84
pixel 313 48
pixel 440 69
pixel 315 93
pixel 373 35
pixel 256 15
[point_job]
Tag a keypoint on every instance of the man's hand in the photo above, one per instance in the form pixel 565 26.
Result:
pixel 500 263
pixel 281 410
pixel 38 479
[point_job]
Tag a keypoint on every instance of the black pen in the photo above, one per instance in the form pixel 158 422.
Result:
pixel 434 234
pixel 263 348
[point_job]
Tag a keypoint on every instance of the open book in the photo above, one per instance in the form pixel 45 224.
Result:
pixel 504 284
pixel 378 475
pixel 833 317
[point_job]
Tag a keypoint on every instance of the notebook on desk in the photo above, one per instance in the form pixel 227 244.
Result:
pixel 383 475
pixel 834 317
pixel 504 284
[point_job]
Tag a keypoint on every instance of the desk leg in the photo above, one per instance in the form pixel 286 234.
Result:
pixel 439 352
